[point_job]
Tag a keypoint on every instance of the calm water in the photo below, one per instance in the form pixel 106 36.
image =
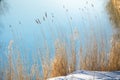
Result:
pixel 31 22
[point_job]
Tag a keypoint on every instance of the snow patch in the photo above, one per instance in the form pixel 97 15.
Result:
pixel 90 75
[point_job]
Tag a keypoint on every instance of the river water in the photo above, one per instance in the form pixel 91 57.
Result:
pixel 29 23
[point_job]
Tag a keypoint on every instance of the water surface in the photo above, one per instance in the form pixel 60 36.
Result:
pixel 31 23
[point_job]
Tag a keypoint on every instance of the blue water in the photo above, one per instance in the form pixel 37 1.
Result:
pixel 19 23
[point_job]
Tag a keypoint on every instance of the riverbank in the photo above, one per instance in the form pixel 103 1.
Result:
pixel 90 75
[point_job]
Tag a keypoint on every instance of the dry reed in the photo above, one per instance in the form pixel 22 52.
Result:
pixel 64 63
pixel 113 8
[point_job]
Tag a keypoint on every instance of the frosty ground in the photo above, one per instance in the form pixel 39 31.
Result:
pixel 90 75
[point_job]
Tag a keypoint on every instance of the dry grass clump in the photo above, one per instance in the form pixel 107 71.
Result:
pixel 94 58
pixel 114 11
pixel 101 61
pixel 15 67
pixel 114 57
pixel 16 70
pixel 46 66
pixel 59 66
pixel 66 60
pixel 113 8
pixel 60 62
pixel 63 63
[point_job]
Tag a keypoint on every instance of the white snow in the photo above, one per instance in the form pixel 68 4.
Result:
pixel 90 75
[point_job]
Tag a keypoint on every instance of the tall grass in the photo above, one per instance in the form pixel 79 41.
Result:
pixel 66 60
pixel 102 61
pixel 60 62
pixel 114 57
pixel 63 63
pixel 113 8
